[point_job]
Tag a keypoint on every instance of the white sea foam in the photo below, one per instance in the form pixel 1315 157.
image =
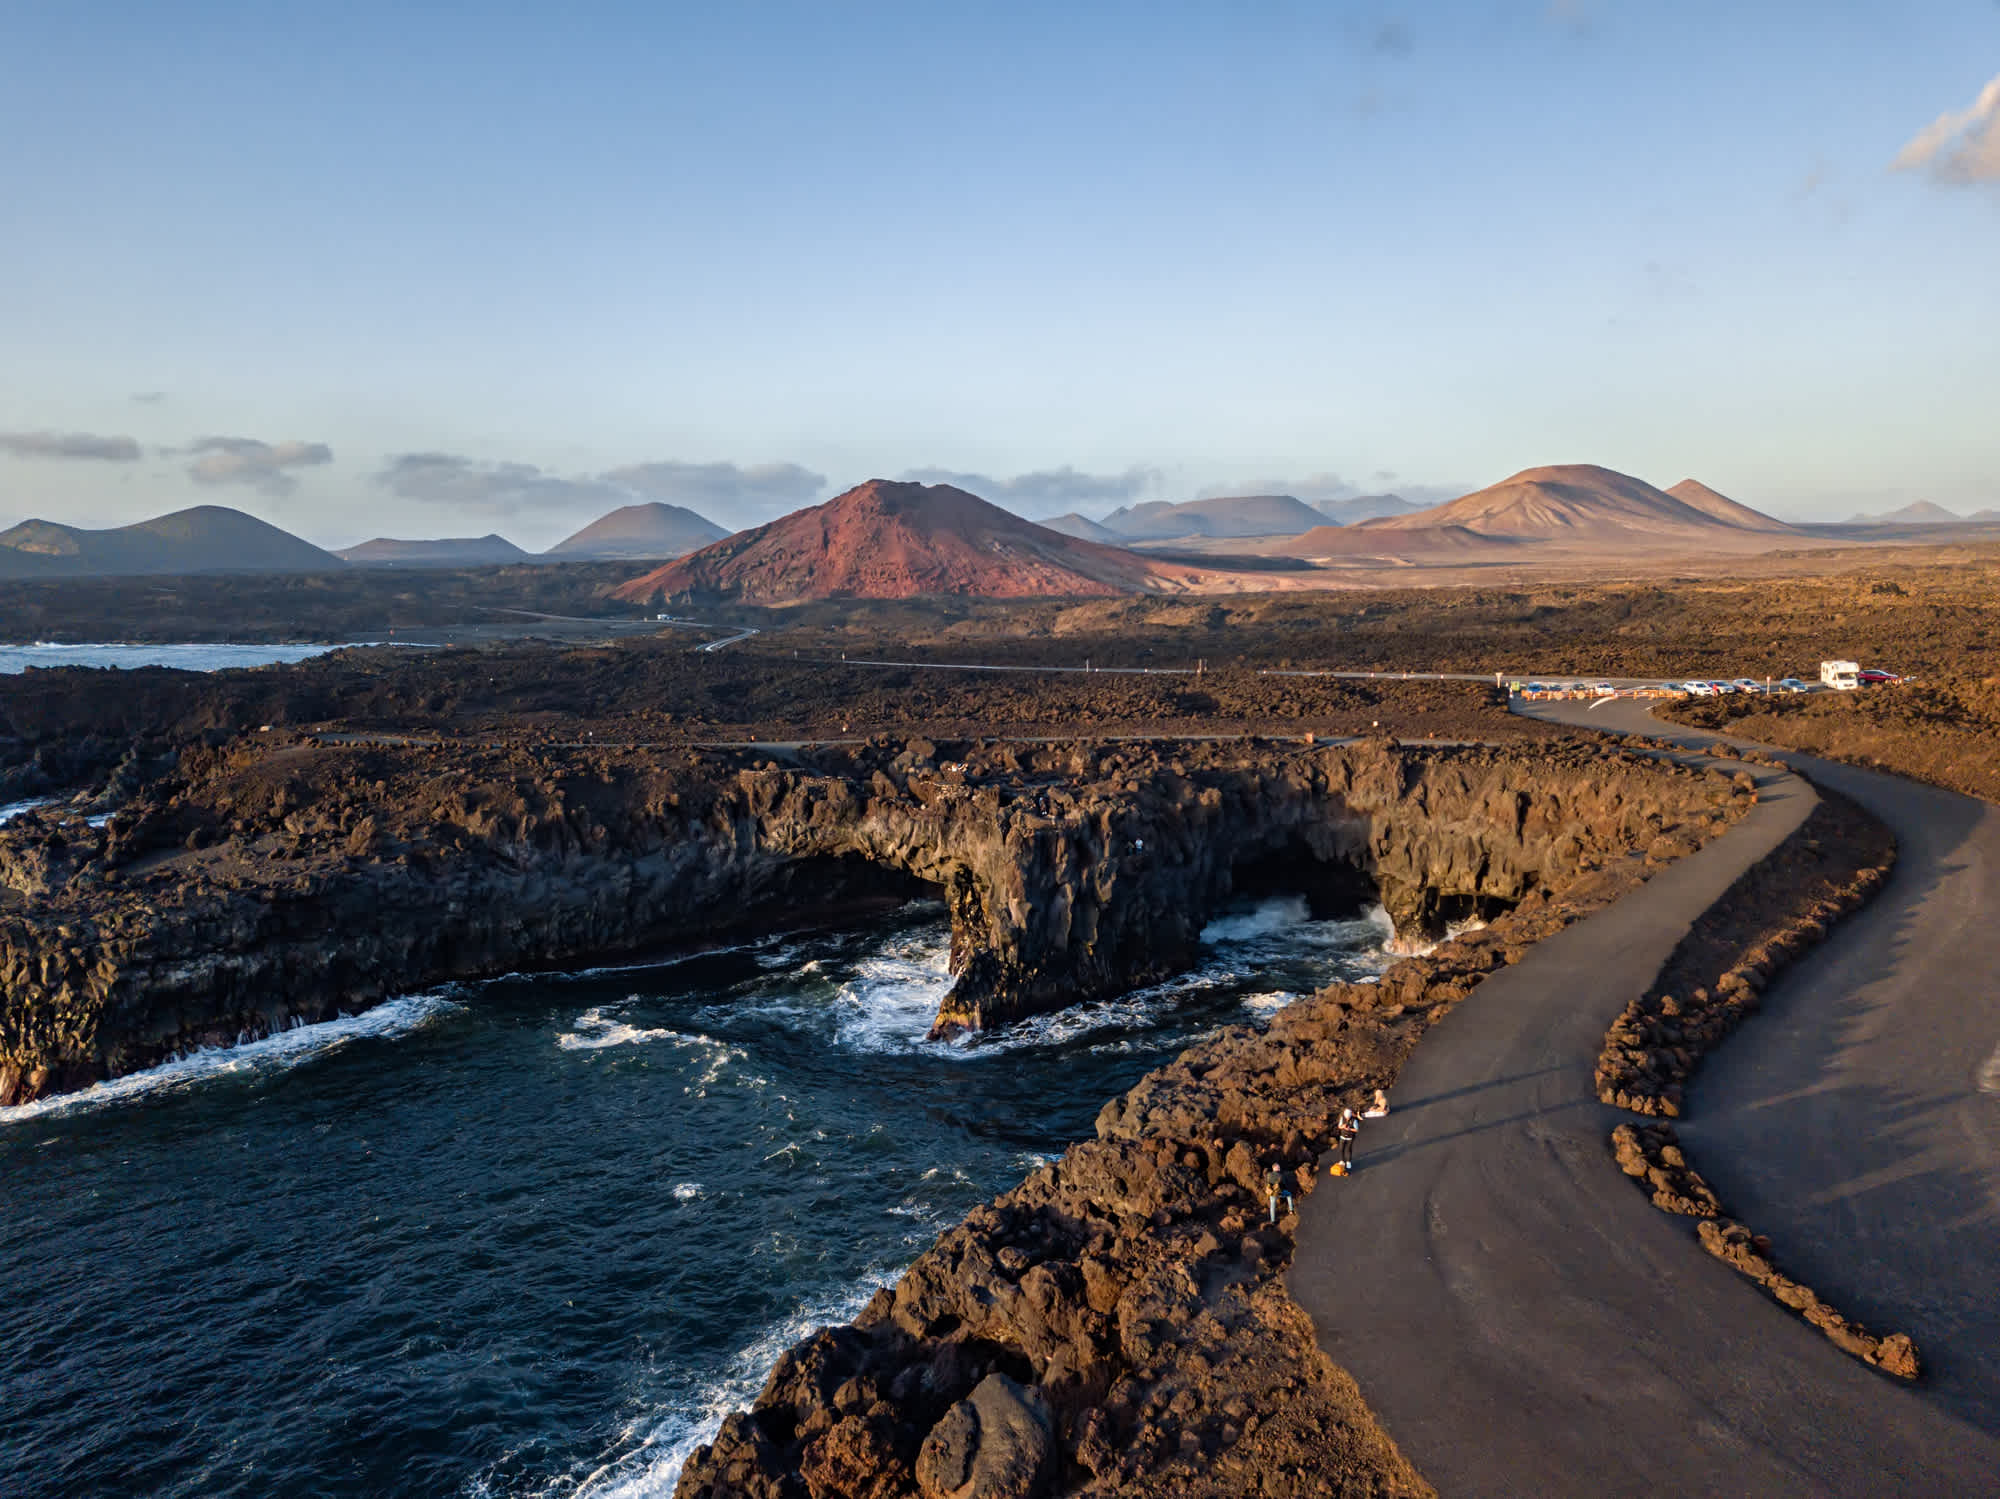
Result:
pixel 646 1460
pixel 13 810
pixel 1989 1074
pixel 687 1191
pixel 275 1053
pixel 596 1030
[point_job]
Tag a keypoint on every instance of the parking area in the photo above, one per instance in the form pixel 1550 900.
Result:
pixel 1835 676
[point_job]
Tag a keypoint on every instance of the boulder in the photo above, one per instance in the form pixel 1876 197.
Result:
pixel 997 1443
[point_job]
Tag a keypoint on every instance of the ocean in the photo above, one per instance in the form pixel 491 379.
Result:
pixel 18 658
pixel 535 1237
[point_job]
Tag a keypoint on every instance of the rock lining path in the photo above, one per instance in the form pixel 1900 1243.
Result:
pixel 1524 1323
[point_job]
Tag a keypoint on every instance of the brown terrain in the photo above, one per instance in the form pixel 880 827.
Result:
pixel 1943 729
pixel 888 540
pixel 1543 514
pixel 1119 1323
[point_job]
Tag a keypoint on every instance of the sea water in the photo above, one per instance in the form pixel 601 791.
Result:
pixel 18 658
pixel 535 1237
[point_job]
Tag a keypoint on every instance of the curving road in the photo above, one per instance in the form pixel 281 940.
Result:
pixel 1524 1322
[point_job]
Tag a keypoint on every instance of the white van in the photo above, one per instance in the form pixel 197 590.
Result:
pixel 1842 676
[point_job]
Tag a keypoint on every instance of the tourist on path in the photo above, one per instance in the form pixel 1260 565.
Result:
pixel 1348 1125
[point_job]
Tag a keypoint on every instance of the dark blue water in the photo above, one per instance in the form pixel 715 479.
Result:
pixel 536 1237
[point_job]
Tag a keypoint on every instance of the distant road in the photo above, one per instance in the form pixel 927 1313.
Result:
pixel 1525 1322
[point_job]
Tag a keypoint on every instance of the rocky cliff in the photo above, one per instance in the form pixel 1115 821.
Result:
pixel 1125 1308
pixel 264 884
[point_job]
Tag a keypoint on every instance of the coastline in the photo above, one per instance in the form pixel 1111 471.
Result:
pixel 1136 1287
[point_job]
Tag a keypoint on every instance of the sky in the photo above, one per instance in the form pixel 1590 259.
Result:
pixel 436 270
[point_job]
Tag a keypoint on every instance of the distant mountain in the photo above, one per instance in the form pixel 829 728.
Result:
pixel 1431 546
pixel 457 551
pixel 1922 513
pixel 1225 515
pixel 1984 517
pixel 1729 512
pixel 1366 507
pixel 638 531
pixel 206 539
pixel 1577 502
pixel 1082 527
pixel 894 540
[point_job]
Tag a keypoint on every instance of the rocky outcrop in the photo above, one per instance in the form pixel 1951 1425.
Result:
pixel 278 881
pixel 1138 1282
pixel 1780 909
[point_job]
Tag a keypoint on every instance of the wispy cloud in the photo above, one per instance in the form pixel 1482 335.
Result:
pixel 1312 488
pixel 1046 491
pixel 149 397
pixel 1317 488
pixel 760 490
pixel 1959 146
pixel 69 445
pixel 261 465
pixel 728 490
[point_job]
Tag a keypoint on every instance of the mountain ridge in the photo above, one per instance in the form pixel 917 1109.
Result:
pixel 889 539
pixel 200 539
pixel 641 532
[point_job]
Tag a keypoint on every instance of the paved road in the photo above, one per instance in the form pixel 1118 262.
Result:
pixel 1526 1323
pixel 1869 1067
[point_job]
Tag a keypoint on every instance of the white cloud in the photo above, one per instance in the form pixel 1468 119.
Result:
pixel 720 491
pixel 1960 146
pixel 246 460
pixel 1312 488
pixel 762 490
pixel 69 445
pixel 1046 491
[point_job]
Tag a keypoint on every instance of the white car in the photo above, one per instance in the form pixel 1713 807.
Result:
pixel 1604 689
pixel 1698 689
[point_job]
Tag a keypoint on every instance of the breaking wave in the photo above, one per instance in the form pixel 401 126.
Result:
pixel 247 1059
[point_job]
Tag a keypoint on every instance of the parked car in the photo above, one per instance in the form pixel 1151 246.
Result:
pixel 1604 689
pixel 1698 689
pixel 1791 684
pixel 1721 689
pixel 1874 678
pixel 1747 684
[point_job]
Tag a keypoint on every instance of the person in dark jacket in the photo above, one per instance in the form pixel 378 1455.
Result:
pixel 1348 1125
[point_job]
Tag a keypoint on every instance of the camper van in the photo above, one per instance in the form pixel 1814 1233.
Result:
pixel 1842 676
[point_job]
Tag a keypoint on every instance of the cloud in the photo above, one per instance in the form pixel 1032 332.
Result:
pixel 715 489
pixel 246 460
pixel 1578 17
pixel 149 397
pixel 1312 488
pixel 763 489
pixel 1960 146
pixel 1315 488
pixel 1048 491
pixel 69 445
pixel 1392 39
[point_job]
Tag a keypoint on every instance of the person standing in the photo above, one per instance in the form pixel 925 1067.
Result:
pixel 1348 1125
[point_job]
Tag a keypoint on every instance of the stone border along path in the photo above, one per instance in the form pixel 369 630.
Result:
pixel 1522 1322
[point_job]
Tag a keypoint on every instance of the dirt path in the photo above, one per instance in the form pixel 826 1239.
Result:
pixel 1524 1323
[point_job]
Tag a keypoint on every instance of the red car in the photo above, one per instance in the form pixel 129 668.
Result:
pixel 1872 678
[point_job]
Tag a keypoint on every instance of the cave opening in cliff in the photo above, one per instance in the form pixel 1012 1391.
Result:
pixel 839 886
pixel 1333 889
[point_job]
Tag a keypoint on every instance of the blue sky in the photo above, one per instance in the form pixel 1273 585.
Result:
pixel 454 268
